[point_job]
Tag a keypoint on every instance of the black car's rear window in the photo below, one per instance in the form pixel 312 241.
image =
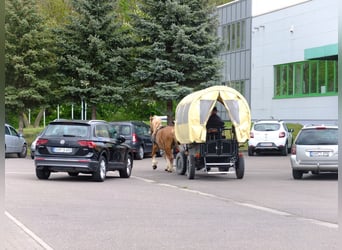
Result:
pixel 74 130
pixel 327 136
pixel 266 127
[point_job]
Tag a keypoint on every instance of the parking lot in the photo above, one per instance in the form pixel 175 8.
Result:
pixel 153 209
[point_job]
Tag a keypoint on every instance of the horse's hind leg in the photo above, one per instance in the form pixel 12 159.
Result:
pixel 154 153
pixel 169 160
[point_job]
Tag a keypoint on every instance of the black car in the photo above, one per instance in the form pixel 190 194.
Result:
pixel 77 146
pixel 137 135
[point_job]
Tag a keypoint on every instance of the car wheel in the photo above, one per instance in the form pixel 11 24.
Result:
pixel 180 163
pixel 42 174
pixel 100 173
pixel 32 155
pixel 140 154
pixel 297 174
pixel 250 151
pixel 23 152
pixel 126 172
pixel 240 168
pixel 190 167
pixel 73 174
pixel 284 150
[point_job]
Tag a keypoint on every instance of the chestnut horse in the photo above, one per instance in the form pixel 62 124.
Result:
pixel 163 138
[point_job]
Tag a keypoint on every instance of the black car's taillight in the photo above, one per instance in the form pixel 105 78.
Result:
pixel 134 138
pixel 88 144
pixel 41 141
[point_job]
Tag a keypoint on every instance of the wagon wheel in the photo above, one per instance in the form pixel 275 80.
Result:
pixel 240 168
pixel 181 163
pixel 190 167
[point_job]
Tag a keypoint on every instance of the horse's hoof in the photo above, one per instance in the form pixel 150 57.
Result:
pixel 154 167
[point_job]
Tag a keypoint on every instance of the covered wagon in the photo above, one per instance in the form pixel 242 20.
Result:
pixel 212 151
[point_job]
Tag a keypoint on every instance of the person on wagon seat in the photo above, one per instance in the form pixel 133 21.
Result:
pixel 215 122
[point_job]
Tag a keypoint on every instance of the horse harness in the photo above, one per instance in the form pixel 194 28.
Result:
pixel 153 137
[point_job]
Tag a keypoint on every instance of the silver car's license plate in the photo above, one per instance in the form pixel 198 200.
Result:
pixel 319 154
pixel 62 150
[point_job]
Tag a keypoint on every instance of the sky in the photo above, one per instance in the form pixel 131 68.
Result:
pixel 263 6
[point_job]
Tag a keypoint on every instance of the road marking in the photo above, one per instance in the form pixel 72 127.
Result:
pixel 28 231
pixel 253 206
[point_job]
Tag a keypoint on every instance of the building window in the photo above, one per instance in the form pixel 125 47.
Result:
pixel 233 36
pixel 308 78
pixel 237 85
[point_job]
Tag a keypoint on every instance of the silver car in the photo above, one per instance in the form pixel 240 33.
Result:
pixel 315 150
pixel 15 143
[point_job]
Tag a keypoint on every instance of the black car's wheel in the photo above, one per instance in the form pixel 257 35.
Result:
pixel 42 174
pixel 297 174
pixel 250 151
pixel 140 154
pixel 23 152
pixel 126 172
pixel 240 168
pixel 73 174
pixel 190 167
pixel 100 173
pixel 180 163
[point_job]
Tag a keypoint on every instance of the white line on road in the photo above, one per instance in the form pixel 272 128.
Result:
pixel 253 206
pixel 28 232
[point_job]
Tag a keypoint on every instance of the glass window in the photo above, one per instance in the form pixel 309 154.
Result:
pixel 233 37
pixel 243 37
pixel 321 77
pixel 228 38
pixel 298 79
pixel 306 78
pixel 313 73
pixel 224 37
pixel 238 37
pixel 290 80
pixel 331 76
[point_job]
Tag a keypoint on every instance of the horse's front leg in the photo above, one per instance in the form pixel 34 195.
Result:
pixel 153 155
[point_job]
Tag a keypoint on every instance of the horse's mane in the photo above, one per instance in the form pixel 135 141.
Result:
pixel 155 123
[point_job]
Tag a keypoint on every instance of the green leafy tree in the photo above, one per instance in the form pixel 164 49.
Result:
pixel 29 59
pixel 93 55
pixel 178 48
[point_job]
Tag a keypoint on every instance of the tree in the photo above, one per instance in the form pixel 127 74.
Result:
pixel 178 48
pixel 29 59
pixel 93 58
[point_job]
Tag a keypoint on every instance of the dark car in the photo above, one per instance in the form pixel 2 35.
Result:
pixel 137 135
pixel 77 146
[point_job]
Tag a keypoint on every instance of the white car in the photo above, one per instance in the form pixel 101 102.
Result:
pixel 270 135
pixel 15 143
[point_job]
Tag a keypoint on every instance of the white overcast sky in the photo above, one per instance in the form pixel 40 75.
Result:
pixel 263 6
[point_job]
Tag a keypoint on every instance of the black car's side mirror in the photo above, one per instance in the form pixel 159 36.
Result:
pixel 121 139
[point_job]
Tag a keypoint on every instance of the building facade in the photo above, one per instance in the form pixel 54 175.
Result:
pixel 293 61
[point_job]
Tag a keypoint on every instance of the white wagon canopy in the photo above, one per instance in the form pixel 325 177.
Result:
pixel 193 111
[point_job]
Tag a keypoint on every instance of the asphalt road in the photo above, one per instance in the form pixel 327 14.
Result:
pixel 154 209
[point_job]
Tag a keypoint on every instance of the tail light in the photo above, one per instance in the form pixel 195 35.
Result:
pixel 281 134
pixel 41 141
pixel 293 149
pixel 134 138
pixel 251 135
pixel 89 144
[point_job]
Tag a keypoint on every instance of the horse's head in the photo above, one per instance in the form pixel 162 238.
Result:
pixel 155 123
